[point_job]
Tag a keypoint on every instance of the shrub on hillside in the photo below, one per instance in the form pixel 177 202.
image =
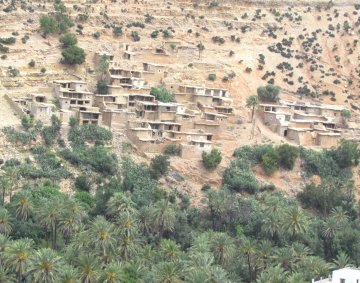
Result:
pixel 287 156
pixel 162 94
pixel 172 150
pixel 101 87
pixel 239 177
pixel 159 166
pixel 73 55
pixel 68 39
pixel 211 160
pixel 269 93
pixel 270 161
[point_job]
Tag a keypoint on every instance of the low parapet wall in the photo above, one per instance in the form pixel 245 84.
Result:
pixel 14 106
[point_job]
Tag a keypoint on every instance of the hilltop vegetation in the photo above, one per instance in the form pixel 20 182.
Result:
pixel 122 226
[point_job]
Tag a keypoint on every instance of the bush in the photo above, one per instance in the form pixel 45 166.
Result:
pixel 31 63
pixel 43 70
pixel 101 87
pixel 7 40
pixel 85 198
pixel 159 166
pixel 211 160
pixel 13 72
pixel 346 113
pixel 270 162
pixel 162 94
pixel 269 93
pixel 154 34
pixel 239 177
pixel 346 155
pixel 96 35
pixel 172 149
pixel 73 55
pixel 68 40
pixel 135 36
pixel 78 135
pixel 268 188
pixel 212 77
pixel 82 183
pixel 27 122
pixel 287 156
pixel 48 25
pixel 4 49
pixel 117 31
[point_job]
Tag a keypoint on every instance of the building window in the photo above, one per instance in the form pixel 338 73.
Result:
pixel 267 108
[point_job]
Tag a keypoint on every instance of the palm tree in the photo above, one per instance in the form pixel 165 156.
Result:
pixel 45 266
pixel 169 250
pixel 330 227
pixel 249 250
pixel 23 205
pixel 128 246
pixel 222 247
pixel 6 276
pixel 68 275
pixel 17 256
pixel 296 277
pixel 219 275
pixel 5 222
pixel 339 214
pixel 4 243
pixel 127 224
pixel 251 102
pixel 120 202
pixel 4 185
pixel 88 268
pixel 342 260
pixel 197 276
pixel 167 272
pixel 112 273
pixel 49 216
pixel 145 218
pixel 101 234
pixel 71 219
pixel 274 274
pixel 271 225
pixel 13 175
pixel 295 222
pixel 163 217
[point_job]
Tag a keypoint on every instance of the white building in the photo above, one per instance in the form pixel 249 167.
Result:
pixel 344 275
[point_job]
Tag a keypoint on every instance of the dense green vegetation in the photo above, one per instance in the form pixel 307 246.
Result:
pixel 122 226
pixel 162 94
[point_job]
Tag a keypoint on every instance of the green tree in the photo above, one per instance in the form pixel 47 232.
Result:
pixel 287 156
pixel 18 256
pixel 6 276
pixel 269 93
pixel 6 225
pixel 223 248
pixel 68 40
pixel 45 266
pixel 162 94
pixel 103 67
pixel 49 215
pixel 164 217
pixel 23 205
pixel 252 102
pixel 159 166
pixel 102 87
pixel 211 160
pixel 88 266
pixel 295 222
pixel 48 25
pixel 73 55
